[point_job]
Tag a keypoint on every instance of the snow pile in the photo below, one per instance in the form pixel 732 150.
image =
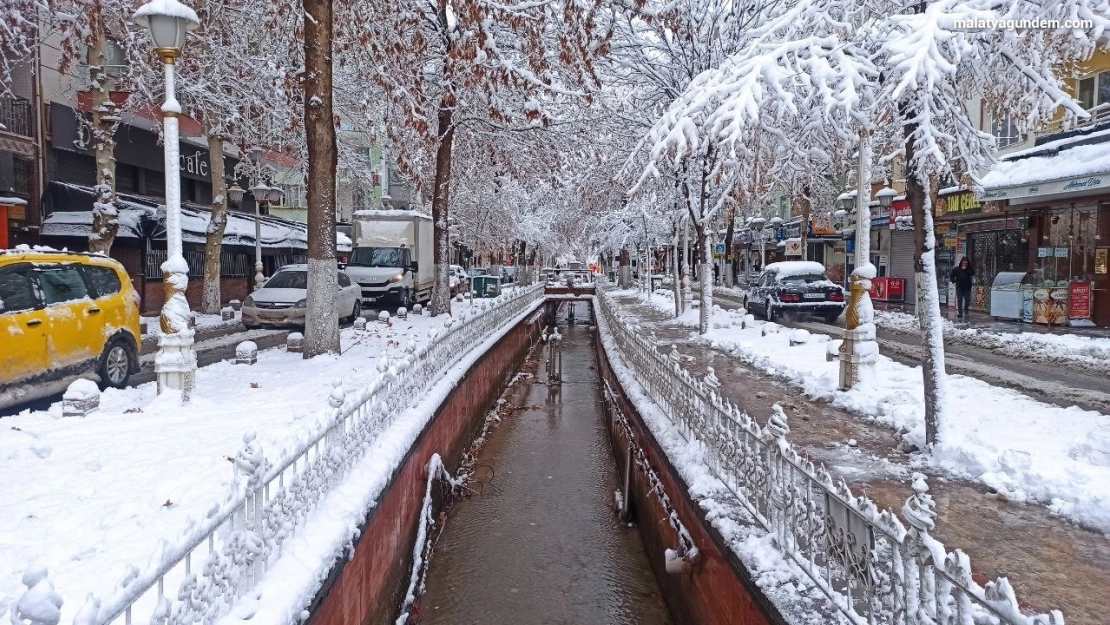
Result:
pixel 1086 353
pixel 102 497
pixel 1027 450
pixel 1083 160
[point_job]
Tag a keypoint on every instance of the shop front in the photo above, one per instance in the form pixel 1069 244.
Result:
pixel 1065 238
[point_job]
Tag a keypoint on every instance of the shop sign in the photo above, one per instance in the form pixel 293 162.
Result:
pixel 1050 306
pixel 793 247
pixel 1079 300
pixel 963 203
pixel 1056 187
pixel 901 215
pixel 17 212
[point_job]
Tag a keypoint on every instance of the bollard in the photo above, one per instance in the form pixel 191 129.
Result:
pixel 360 323
pixel 81 398
pixel 417 309
pixel 402 313
pixel 294 342
pixel 235 304
pixel 459 297
pixel 246 353
pixel 227 313
pixel 383 316
pixel 799 337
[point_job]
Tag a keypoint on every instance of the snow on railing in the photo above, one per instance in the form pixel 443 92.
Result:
pixel 223 557
pixel 872 568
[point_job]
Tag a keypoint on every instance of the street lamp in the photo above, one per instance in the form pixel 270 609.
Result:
pixel 886 196
pixel 176 362
pixel 256 170
pixel 757 224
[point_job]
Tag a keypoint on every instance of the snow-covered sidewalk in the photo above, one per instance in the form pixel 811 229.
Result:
pixel 93 498
pixel 1027 450
pixel 1087 353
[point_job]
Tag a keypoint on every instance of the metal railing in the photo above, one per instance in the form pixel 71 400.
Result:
pixel 1098 114
pixel 15 116
pixel 225 555
pixel 872 568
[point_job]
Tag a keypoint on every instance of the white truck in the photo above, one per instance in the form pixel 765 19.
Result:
pixel 392 256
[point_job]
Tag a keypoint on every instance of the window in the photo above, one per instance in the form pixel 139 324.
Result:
pixel 16 293
pixel 103 280
pixel 63 284
pixel 1094 90
pixel 344 281
pixel 1005 131
pixel 288 280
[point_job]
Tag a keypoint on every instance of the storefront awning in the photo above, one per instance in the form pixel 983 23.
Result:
pixel 1052 171
pixel 70 215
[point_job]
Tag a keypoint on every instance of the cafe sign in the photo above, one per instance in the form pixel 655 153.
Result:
pixel 962 203
pixel 1056 187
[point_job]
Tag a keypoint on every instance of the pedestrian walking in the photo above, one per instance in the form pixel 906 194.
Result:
pixel 716 273
pixel 961 277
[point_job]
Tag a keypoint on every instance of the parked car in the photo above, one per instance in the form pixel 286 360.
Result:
pixel 795 286
pixel 459 280
pixel 64 316
pixel 508 274
pixel 282 300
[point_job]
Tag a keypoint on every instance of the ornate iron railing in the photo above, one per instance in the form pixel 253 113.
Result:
pixel 224 556
pixel 872 568
pixel 15 116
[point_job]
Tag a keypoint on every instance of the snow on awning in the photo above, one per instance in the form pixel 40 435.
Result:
pixel 1076 169
pixel 139 215
pixel 13 201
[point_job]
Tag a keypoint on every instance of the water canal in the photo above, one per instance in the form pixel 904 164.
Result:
pixel 542 544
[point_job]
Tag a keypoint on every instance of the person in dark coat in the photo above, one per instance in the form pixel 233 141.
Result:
pixel 961 277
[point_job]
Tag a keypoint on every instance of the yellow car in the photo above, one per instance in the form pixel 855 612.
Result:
pixel 64 316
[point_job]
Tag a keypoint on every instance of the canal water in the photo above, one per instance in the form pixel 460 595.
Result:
pixel 542 543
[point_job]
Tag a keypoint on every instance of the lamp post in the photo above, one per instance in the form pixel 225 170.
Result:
pixel 176 362
pixel 256 171
pixel 757 224
pixel 858 347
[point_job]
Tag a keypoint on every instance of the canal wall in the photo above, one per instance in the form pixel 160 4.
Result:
pixel 370 587
pixel 715 588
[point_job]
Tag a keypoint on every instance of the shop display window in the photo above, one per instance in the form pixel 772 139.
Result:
pixel 1067 249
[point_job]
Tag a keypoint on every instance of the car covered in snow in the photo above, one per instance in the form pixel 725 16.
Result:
pixel 282 301
pixel 795 287
pixel 458 280
pixel 64 316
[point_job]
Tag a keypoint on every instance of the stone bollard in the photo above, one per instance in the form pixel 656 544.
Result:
pixel 227 313
pixel 81 398
pixel 402 313
pixel 235 304
pixel 799 337
pixel 459 297
pixel 246 353
pixel 294 343
pixel 383 316
pixel 832 351
pixel 417 309
pixel 39 604
pixel 770 328
pixel 360 323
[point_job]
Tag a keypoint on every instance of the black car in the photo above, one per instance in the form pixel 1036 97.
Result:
pixel 796 286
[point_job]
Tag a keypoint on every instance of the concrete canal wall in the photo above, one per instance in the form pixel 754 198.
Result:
pixel 370 587
pixel 715 590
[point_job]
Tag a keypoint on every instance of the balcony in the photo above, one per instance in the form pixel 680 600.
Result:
pixel 15 116
pixel 1055 130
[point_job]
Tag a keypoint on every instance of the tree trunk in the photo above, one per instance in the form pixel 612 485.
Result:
pixel 441 292
pixel 676 277
pixel 727 273
pixel 706 276
pixel 321 322
pixel 210 300
pixel 806 206
pixel 932 332
pixel 685 268
pixel 626 269
pixel 104 121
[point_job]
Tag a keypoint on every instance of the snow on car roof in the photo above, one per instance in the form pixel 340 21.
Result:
pixel 787 268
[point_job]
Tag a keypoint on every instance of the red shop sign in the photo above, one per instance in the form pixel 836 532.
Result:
pixel 896 289
pixel 1079 300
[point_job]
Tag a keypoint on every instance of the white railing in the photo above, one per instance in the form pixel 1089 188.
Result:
pixel 870 566
pixel 223 557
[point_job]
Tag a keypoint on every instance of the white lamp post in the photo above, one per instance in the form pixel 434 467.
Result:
pixel 176 362
pixel 757 224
